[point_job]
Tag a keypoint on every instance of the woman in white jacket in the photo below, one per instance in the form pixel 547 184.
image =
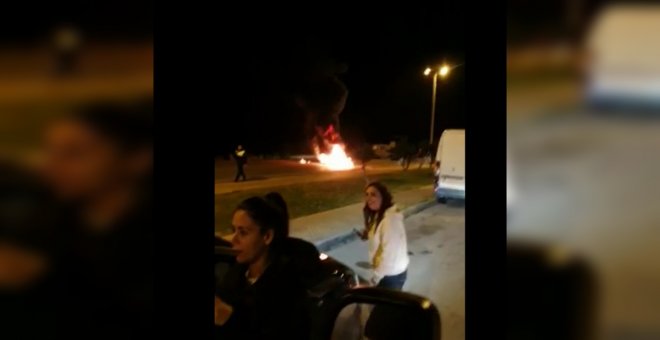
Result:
pixel 386 234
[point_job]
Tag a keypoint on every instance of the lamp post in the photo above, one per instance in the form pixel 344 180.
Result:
pixel 443 71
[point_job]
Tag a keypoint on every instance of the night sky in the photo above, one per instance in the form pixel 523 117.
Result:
pixel 531 21
pixel 260 61
pixel 32 21
pixel 385 54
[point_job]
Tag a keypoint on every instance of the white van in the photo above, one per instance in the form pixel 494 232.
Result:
pixel 451 155
pixel 511 194
pixel 623 51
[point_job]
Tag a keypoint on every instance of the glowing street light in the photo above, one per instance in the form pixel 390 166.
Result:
pixel 443 72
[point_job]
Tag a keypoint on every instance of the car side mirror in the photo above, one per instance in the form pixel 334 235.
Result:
pixel 551 294
pixel 377 313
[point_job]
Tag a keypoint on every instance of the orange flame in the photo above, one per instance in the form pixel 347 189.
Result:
pixel 337 159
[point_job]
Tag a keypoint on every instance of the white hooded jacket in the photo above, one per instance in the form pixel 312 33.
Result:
pixel 388 247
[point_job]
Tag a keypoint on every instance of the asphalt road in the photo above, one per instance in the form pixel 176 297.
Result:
pixel 436 241
pixel 588 183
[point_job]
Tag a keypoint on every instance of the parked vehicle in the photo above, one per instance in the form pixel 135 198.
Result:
pixel 451 155
pixel 341 303
pixel 623 58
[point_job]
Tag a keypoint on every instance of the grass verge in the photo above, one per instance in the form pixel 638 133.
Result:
pixel 310 198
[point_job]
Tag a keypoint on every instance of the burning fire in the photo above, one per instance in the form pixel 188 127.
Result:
pixel 336 159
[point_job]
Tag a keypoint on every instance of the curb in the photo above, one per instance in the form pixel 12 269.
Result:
pixel 340 239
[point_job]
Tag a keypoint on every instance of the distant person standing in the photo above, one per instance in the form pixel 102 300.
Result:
pixel 436 173
pixel 67 45
pixel 241 159
pixel 429 155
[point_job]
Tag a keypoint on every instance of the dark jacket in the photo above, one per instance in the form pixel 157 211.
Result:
pixel 274 307
pixel 240 157
pixel 31 314
pixel 108 280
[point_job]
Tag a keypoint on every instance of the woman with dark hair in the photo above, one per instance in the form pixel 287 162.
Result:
pixel 301 256
pixel 386 234
pixel 261 297
pixel 277 199
pixel 28 243
pixel 99 165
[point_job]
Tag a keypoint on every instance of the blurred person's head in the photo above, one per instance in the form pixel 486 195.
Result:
pixel 240 147
pixel 67 37
pixel 260 227
pixel 28 219
pixel 99 149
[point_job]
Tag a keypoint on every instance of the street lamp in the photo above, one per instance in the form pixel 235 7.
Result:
pixel 443 72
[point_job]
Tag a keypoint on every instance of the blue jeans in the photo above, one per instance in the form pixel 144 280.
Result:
pixel 394 282
pixel 384 322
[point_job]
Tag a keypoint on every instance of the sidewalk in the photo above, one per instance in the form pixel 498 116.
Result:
pixel 329 229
